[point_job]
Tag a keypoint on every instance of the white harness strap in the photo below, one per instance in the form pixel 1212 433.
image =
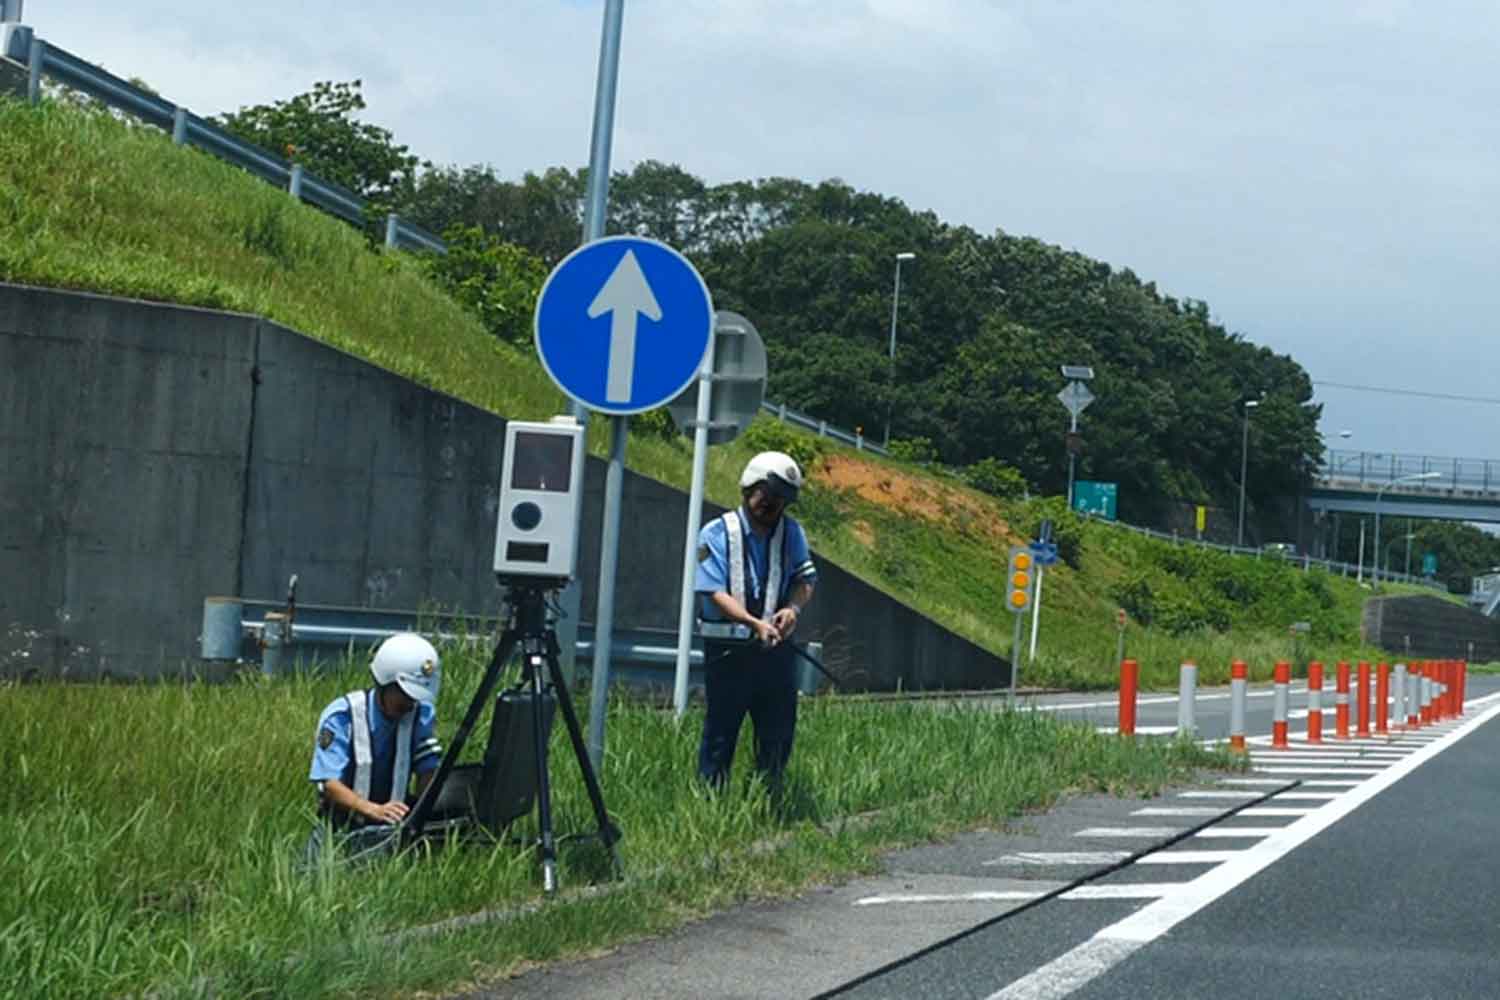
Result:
pixel 359 727
pixel 735 535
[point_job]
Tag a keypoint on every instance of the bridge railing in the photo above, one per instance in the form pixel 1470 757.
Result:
pixel 1371 469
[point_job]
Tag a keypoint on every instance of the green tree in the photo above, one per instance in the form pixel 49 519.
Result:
pixel 318 129
pixel 499 281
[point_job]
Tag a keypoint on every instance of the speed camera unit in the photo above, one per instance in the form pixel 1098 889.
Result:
pixel 541 490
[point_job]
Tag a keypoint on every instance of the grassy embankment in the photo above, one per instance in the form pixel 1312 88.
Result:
pixel 147 834
pixel 88 203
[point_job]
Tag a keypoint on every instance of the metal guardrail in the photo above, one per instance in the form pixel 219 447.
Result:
pixel 822 428
pixel 41 58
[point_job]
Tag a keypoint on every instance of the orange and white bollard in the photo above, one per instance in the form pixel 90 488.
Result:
pixel 1398 695
pixel 1315 702
pixel 1130 677
pixel 1382 698
pixel 1283 681
pixel 1363 713
pixel 1425 713
pixel 1341 701
pixel 1239 681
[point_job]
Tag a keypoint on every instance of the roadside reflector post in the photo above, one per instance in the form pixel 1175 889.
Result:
pixel 1398 695
pixel 1315 702
pixel 1382 698
pixel 1129 679
pixel 1424 714
pixel 1239 680
pixel 1187 692
pixel 1463 683
pixel 1362 692
pixel 1341 700
pixel 1283 681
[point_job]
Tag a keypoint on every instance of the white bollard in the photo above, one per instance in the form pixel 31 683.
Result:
pixel 1398 695
pixel 1187 691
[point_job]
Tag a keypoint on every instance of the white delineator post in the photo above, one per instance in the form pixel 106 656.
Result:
pixel 1187 691
pixel 1036 611
pixel 1283 681
pixel 1413 698
pixel 1398 692
pixel 694 514
pixel 1315 702
pixel 1239 681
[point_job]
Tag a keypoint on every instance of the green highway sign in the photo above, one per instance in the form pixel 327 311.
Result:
pixel 1429 564
pixel 1094 498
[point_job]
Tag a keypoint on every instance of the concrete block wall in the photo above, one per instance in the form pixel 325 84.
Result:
pixel 1430 628
pixel 156 454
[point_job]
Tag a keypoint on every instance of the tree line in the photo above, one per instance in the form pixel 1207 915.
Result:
pixel 985 320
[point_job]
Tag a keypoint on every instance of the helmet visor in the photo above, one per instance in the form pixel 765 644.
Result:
pixel 418 688
pixel 780 488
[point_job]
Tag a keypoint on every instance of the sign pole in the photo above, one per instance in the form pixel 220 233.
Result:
pixel 1036 611
pixel 1072 457
pixel 694 515
pixel 1015 659
pixel 595 212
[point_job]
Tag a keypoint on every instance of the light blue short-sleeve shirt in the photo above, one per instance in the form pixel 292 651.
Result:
pixel 713 561
pixel 333 746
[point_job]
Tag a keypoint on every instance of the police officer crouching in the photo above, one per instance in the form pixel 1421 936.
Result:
pixel 369 743
pixel 754 569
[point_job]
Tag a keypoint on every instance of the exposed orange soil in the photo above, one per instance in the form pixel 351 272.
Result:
pixel 930 500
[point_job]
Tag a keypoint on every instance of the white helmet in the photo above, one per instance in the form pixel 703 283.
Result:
pixel 409 660
pixel 777 470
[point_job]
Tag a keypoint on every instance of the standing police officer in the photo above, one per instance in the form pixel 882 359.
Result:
pixel 370 742
pixel 754 569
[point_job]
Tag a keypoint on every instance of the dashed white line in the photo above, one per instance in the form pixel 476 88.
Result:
pixel 1060 858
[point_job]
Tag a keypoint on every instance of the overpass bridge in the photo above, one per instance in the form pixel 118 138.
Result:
pixel 1394 485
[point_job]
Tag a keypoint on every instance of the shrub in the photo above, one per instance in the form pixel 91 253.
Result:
pixel 918 450
pixel 766 434
pixel 992 476
pixel 1067 526
pixel 497 281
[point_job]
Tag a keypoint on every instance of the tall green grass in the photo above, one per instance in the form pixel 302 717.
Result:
pixel 148 833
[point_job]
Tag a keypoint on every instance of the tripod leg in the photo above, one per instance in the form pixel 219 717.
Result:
pixel 608 833
pixel 411 827
pixel 546 845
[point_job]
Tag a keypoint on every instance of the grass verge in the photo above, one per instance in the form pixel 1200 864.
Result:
pixel 148 833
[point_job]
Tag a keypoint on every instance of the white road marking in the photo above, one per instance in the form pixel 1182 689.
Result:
pixel 1300 757
pixel 1228 793
pixel 1115 943
pixel 1130 831
pixel 1214 811
pixel 1142 890
pixel 1175 857
pixel 1317 782
pixel 1318 770
pixel 1140 730
pixel 1060 858
pixel 1229 832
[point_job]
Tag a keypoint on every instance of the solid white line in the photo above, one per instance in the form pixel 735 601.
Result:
pixel 1178 811
pixel 1303 796
pixel 1275 811
pixel 1251 781
pixel 1303 757
pixel 1139 730
pixel 1129 831
pixel 1228 793
pixel 1060 858
pixel 1118 941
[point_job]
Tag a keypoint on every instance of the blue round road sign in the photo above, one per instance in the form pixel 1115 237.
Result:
pixel 622 324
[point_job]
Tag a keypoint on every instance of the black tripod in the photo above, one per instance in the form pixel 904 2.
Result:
pixel 527 627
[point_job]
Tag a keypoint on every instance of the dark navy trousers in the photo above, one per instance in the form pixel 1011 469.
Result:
pixel 755 681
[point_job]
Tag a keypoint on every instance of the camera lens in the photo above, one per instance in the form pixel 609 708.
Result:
pixel 526 516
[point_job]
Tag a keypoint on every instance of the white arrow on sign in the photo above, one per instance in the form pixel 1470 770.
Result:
pixel 627 296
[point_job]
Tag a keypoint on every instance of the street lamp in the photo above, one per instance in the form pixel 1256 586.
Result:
pixel 895 304
pixel 1413 477
pixel 1250 404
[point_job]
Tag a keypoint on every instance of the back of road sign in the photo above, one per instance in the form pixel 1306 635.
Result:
pixel 739 381
pixel 622 324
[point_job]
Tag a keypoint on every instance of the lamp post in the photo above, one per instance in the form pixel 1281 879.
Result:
pixel 895 304
pixel 1250 404
pixel 1413 477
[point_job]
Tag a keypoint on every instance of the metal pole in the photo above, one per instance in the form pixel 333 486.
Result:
pixel 595 212
pixel 690 549
pixel 604 618
pixel 1239 536
pixel 1015 657
pixel 1407 570
pixel 1376 554
pixel 1359 572
pixel 34 59
pixel 891 368
pixel 1036 612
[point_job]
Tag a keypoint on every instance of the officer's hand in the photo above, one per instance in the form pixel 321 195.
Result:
pixel 766 632
pixel 785 622
pixel 387 812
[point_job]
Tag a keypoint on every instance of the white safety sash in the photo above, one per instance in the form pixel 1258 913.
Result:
pixel 734 533
pixel 359 731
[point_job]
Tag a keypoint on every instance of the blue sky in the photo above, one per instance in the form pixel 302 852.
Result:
pixel 1323 174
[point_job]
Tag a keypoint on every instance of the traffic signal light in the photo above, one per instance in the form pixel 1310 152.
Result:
pixel 1018 579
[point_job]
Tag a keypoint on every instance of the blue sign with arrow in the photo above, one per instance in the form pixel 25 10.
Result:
pixel 623 323
pixel 1045 553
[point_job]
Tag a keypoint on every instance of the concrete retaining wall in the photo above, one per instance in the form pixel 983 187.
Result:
pixel 1431 628
pixel 156 454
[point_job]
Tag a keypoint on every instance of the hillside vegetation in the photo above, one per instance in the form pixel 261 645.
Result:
pixel 87 202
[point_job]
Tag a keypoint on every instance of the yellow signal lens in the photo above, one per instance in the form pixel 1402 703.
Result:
pixel 1021 581
pixel 1022 560
pixel 1018 598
